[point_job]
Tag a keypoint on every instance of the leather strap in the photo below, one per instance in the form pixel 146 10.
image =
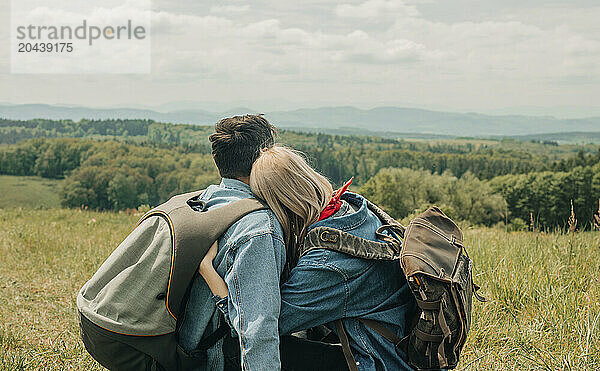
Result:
pixel 477 295
pixel 345 345
pixel 344 242
pixel 388 334
pixel 428 305
pixel 447 334
pixel 424 336
pixel 213 338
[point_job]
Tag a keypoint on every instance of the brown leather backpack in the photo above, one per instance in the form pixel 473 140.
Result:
pixel 439 273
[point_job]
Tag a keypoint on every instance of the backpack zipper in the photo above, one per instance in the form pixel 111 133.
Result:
pixel 433 228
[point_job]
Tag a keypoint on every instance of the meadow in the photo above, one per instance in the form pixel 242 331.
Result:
pixel 543 311
pixel 29 191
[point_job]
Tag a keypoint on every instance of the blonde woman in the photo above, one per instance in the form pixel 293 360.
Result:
pixel 323 286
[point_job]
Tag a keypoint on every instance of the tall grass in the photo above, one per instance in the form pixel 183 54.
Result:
pixel 46 257
pixel 543 312
pixel 544 308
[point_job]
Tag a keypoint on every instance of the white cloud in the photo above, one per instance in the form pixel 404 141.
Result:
pixel 482 50
pixel 363 49
pixel 320 49
pixel 267 29
pixel 266 47
pixel 229 9
pixel 376 8
pixel 504 50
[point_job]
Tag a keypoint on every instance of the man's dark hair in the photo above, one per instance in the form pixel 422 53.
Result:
pixel 237 142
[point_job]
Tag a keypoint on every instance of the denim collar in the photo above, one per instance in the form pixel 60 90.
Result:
pixel 348 221
pixel 235 184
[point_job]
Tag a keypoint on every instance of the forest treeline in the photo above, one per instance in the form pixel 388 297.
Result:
pixel 340 157
pixel 110 175
pixel 119 164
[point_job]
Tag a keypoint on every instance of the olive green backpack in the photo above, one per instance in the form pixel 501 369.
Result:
pixel 139 293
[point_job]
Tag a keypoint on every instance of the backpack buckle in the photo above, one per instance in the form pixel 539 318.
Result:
pixel 456 242
pixel 327 236
pixel 197 204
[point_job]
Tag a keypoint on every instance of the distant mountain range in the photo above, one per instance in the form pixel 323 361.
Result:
pixel 332 119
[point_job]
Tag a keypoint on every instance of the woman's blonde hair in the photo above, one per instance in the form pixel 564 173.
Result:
pixel 295 192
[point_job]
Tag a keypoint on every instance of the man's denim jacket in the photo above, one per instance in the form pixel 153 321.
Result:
pixel 327 285
pixel 251 257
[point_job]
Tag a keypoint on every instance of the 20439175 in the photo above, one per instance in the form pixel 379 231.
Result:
pixel 45 47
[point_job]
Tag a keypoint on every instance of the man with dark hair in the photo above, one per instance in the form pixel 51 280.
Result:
pixel 251 257
pixel 236 144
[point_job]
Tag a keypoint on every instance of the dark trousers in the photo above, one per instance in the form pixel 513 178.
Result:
pixel 112 352
pixel 123 353
pixel 296 355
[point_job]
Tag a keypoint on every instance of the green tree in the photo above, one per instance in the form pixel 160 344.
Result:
pixel 122 192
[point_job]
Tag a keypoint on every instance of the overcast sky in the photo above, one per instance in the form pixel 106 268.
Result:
pixel 498 56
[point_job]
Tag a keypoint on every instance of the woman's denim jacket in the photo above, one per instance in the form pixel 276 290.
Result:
pixel 328 285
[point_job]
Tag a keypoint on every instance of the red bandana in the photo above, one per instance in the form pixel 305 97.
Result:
pixel 336 203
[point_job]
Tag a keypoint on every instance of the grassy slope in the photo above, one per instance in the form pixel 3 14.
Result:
pixel 543 311
pixel 46 257
pixel 544 292
pixel 28 191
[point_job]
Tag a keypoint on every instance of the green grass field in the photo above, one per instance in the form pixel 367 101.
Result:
pixel 543 312
pixel 28 191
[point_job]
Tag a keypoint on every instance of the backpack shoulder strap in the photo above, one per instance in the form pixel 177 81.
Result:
pixel 341 332
pixel 194 230
pixel 340 241
pixel 336 240
pixel 377 327
pixel 194 233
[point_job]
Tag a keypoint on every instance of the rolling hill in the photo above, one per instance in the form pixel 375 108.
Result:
pixel 380 119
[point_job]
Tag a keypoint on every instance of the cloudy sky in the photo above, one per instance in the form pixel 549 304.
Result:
pixel 493 56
